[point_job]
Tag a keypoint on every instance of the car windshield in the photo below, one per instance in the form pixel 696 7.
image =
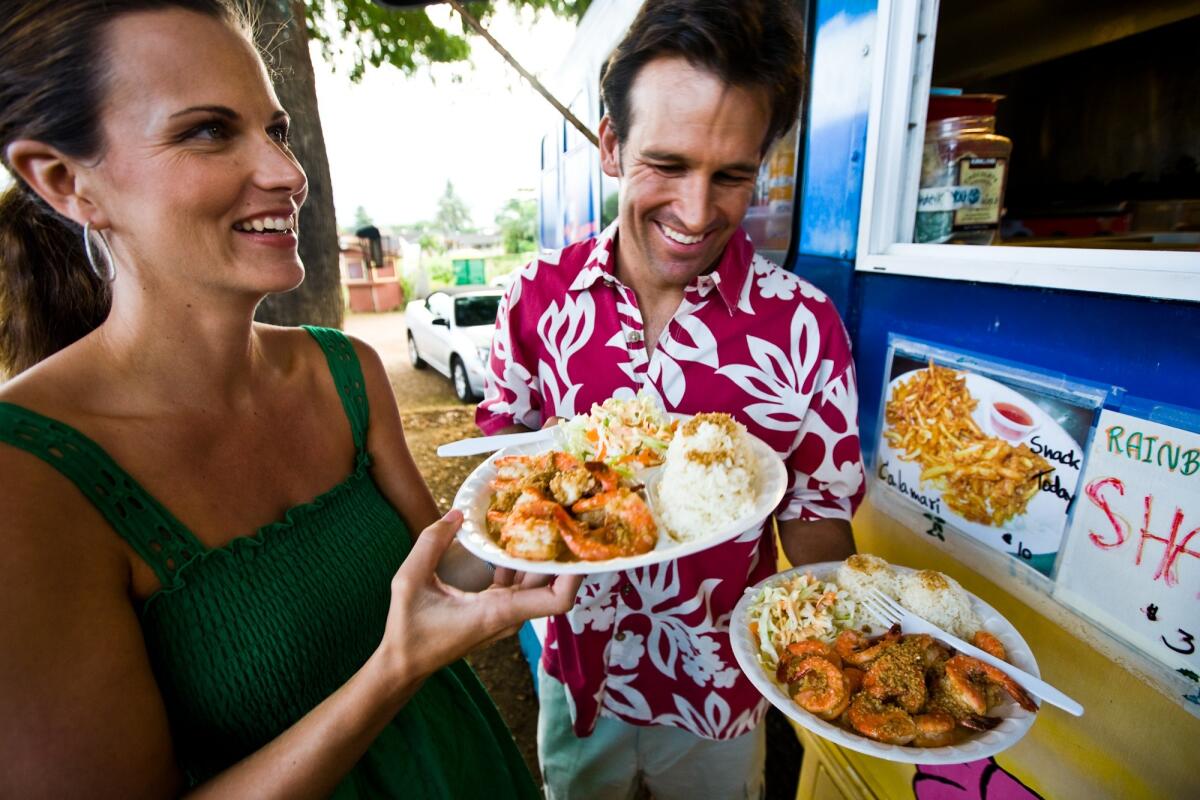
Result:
pixel 476 310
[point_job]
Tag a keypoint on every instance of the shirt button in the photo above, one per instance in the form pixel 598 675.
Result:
pixel 634 336
pixel 621 636
pixel 626 589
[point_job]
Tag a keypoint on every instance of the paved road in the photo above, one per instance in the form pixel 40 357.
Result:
pixel 421 389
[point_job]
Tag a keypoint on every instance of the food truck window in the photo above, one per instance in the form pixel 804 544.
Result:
pixel 770 219
pixel 1059 150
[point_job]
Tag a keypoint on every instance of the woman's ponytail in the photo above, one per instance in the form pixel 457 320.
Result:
pixel 49 296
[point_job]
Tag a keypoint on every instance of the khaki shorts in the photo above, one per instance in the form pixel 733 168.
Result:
pixel 612 762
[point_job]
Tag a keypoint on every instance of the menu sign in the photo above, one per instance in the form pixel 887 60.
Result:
pixel 1132 558
pixel 984 449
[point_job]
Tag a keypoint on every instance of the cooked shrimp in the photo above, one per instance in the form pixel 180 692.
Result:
pixel 504 494
pixel 613 524
pixel 857 650
pixel 523 467
pixel 571 484
pixel 513 468
pixel 879 721
pixel 819 687
pixel 536 527
pixel 978 722
pixel 967 680
pixel 935 729
pixel 569 487
pixel 989 644
pixel 495 522
pixel 787 669
pixel 814 647
pixel 899 673
pixel 854 677
pixel 607 478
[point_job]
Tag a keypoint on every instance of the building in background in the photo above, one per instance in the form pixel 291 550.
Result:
pixel 370 264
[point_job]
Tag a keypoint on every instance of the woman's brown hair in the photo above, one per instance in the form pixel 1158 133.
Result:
pixel 52 84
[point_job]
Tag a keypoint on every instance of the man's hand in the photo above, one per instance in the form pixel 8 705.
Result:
pixel 813 541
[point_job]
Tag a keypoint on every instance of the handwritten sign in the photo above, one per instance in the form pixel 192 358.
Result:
pixel 1131 560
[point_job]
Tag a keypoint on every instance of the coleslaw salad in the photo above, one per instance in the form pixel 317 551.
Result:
pixel 625 434
pixel 797 608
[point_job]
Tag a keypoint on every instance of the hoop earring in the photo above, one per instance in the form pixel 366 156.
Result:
pixel 109 273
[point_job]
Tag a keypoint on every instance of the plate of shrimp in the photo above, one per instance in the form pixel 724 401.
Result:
pixel 547 511
pixel 900 697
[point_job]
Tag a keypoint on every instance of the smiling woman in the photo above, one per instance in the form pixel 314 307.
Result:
pixel 211 579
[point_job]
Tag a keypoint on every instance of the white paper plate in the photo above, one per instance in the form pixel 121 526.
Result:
pixel 1015 721
pixel 475 493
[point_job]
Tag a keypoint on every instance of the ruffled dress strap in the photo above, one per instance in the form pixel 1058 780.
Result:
pixel 348 378
pixel 151 530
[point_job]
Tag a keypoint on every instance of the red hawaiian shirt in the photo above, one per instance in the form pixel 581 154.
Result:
pixel 651 646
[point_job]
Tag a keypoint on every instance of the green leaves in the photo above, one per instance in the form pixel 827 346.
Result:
pixel 453 216
pixel 370 35
pixel 517 221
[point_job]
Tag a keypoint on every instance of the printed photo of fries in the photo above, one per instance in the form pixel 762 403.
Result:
pixel 982 478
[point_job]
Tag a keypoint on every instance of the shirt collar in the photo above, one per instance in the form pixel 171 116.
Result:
pixel 601 261
pixel 728 277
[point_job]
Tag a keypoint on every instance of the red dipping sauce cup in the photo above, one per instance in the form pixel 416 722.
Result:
pixel 1010 421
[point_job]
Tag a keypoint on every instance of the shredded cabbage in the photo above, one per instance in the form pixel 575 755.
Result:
pixel 625 434
pixel 798 608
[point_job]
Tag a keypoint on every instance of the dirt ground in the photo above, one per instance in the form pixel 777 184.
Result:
pixel 432 416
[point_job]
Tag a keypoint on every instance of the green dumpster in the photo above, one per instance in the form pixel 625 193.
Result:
pixel 468 271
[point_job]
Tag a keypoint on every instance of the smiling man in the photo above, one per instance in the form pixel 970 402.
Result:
pixel 638 682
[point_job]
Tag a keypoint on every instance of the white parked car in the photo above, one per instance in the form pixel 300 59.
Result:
pixel 451 331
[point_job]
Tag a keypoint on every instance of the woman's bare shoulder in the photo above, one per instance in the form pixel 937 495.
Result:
pixel 289 348
pixel 60 383
pixel 297 347
pixel 74 674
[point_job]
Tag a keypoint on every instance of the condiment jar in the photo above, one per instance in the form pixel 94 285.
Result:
pixel 964 171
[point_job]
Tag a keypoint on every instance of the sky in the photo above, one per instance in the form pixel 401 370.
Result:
pixel 394 140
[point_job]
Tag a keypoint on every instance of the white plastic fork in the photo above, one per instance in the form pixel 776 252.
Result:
pixel 486 444
pixel 890 613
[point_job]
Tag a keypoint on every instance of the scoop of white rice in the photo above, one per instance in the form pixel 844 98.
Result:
pixel 707 478
pixel 862 571
pixel 940 600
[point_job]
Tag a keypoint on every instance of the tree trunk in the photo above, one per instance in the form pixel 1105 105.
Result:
pixel 317 301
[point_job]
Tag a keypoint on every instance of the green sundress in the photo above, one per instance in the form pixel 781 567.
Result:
pixel 246 638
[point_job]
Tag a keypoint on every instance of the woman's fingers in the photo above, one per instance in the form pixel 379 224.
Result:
pixel 533 580
pixel 508 610
pixel 431 623
pixel 431 544
pixel 503 576
pixel 546 601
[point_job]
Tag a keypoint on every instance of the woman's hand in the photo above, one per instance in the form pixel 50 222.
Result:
pixel 430 624
pixel 525 580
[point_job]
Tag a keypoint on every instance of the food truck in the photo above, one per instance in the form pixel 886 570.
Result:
pixel 1003 200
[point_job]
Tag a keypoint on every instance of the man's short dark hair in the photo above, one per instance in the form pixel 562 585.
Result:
pixel 756 44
